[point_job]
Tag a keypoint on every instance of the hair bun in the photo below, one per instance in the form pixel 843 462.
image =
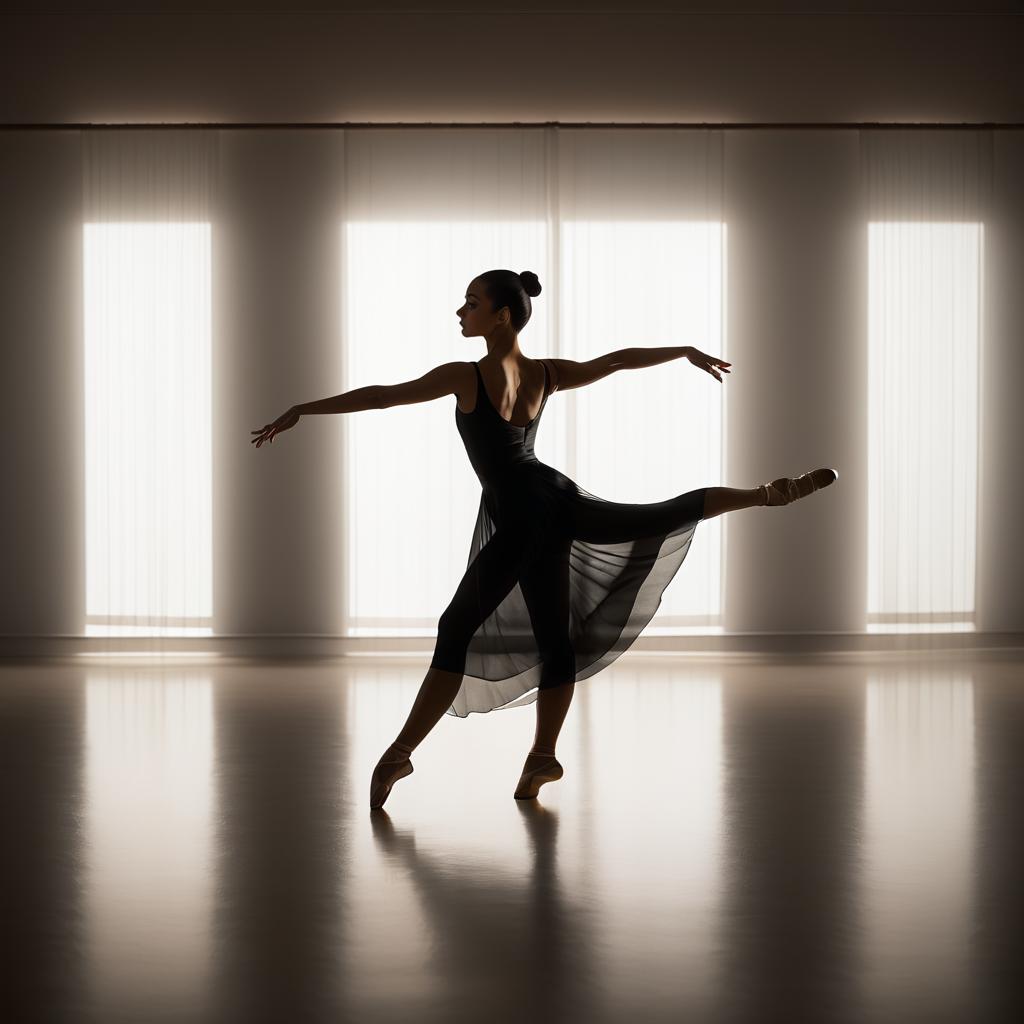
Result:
pixel 531 285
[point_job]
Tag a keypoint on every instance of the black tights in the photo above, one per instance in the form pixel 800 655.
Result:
pixel 544 581
pixel 544 577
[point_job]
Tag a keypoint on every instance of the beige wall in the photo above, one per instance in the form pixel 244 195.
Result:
pixel 461 62
pixel 797 323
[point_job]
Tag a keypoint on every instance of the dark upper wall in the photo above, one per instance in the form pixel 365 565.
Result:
pixel 498 6
pixel 246 61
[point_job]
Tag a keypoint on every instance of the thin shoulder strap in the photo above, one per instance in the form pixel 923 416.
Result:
pixel 479 385
pixel 481 391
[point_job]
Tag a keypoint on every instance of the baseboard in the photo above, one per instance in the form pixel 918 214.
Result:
pixel 421 648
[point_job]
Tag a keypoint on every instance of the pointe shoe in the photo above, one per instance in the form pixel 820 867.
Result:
pixel 388 772
pixel 547 770
pixel 786 489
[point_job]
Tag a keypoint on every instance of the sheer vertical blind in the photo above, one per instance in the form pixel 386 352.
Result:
pixel 425 212
pixel 147 198
pixel 625 232
pixel 927 194
pixel 642 240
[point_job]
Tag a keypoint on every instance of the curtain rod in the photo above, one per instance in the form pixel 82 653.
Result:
pixel 357 125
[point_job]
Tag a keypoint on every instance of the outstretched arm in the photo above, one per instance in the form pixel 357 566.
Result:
pixel 571 374
pixel 350 401
pixel 357 400
pixel 636 358
pixel 445 379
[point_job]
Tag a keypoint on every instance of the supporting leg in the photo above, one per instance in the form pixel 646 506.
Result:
pixel 728 499
pixel 552 706
pixel 545 586
pixel 437 692
pixel 486 581
pixel 489 577
pixel 541 764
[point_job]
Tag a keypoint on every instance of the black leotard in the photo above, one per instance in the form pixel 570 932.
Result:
pixel 559 582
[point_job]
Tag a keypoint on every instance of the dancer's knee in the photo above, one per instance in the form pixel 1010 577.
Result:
pixel 451 645
pixel 559 667
pixel 449 657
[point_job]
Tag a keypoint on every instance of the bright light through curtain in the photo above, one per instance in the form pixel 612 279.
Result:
pixel 926 194
pixel 624 230
pixel 643 259
pixel 425 212
pixel 147 333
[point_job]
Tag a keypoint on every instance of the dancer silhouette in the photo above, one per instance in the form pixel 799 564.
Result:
pixel 559 582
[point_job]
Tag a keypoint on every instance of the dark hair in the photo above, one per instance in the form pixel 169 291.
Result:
pixel 507 288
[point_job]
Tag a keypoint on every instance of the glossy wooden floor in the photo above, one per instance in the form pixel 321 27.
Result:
pixel 735 839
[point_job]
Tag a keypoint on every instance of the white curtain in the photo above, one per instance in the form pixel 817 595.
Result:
pixel 624 230
pixel 927 198
pixel 424 213
pixel 146 237
pixel 643 264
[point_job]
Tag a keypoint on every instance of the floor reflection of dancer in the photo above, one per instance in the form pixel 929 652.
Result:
pixel 535 512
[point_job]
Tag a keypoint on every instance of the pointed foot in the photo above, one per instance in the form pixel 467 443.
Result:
pixel 394 765
pixel 785 490
pixel 547 769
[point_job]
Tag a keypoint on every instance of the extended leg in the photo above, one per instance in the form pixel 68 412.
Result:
pixel 728 499
pixel 600 521
pixel 782 491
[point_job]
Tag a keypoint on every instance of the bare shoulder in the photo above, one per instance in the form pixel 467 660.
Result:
pixel 465 383
pixel 569 373
pixel 554 377
pixel 453 378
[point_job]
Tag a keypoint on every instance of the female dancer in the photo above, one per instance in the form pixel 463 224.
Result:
pixel 559 581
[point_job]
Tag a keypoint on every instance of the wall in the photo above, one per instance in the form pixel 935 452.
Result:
pixel 460 62
pixel 799 328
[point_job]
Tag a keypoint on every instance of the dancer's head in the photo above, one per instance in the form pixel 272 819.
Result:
pixel 498 300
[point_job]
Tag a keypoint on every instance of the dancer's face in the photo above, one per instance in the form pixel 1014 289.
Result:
pixel 475 314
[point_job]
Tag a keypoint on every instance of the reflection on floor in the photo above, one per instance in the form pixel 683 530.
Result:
pixel 815 839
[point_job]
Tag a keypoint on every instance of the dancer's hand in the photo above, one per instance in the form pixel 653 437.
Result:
pixel 285 421
pixel 706 362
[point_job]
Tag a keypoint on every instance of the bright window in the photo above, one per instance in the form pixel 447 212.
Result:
pixel 147 429
pixel 924 331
